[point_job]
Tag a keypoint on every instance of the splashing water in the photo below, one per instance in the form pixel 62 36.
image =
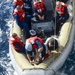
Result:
pixel 5 17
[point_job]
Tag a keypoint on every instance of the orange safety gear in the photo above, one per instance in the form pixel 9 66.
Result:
pixel 18 2
pixel 39 7
pixel 32 41
pixel 21 14
pixel 12 41
pixel 61 9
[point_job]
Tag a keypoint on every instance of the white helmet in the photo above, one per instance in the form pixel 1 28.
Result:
pixel 32 32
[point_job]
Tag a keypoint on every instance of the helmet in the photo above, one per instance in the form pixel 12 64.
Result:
pixel 32 32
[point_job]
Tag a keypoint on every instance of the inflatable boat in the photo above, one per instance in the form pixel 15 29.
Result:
pixel 52 64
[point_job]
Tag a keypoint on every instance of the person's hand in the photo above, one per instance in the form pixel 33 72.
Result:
pixel 31 62
pixel 59 52
pixel 43 17
pixel 22 30
pixel 39 17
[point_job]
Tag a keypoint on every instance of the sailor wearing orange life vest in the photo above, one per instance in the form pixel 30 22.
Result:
pixel 22 3
pixel 39 10
pixel 20 17
pixel 60 8
pixel 16 43
pixel 33 43
pixel 18 2
pixel 62 14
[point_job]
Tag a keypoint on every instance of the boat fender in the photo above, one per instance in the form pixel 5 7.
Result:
pixel 54 51
pixel 52 71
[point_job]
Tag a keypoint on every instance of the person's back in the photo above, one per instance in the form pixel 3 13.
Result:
pixel 33 41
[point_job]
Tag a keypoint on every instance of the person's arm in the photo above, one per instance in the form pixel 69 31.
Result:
pixel 20 41
pixel 28 48
pixel 40 48
pixel 35 12
pixel 16 17
pixel 29 57
pixel 49 52
pixel 66 10
pixel 39 45
pixel 44 9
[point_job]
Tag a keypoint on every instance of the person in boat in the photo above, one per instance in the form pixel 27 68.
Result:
pixel 17 44
pixel 62 15
pixel 39 10
pixel 18 2
pixel 21 3
pixel 52 46
pixel 32 44
pixel 20 18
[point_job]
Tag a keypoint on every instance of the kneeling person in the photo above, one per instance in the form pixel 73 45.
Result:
pixel 33 43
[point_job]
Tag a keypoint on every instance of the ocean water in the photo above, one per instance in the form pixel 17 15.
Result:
pixel 5 61
pixel 5 20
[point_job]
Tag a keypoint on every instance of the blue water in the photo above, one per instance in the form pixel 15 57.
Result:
pixel 5 62
pixel 5 21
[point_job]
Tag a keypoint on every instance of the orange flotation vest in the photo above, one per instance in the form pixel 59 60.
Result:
pixel 20 3
pixel 39 7
pixel 61 10
pixel 12 41
pixel 21 14
pixel 32 41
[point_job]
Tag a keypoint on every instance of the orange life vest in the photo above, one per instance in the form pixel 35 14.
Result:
pixel 12 41
pixel 32 41
pixel 39 7
pixel 18 2
pixel 61 10
pixel 21 14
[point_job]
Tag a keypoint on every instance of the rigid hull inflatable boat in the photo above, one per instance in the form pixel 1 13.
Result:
pixel 52 64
